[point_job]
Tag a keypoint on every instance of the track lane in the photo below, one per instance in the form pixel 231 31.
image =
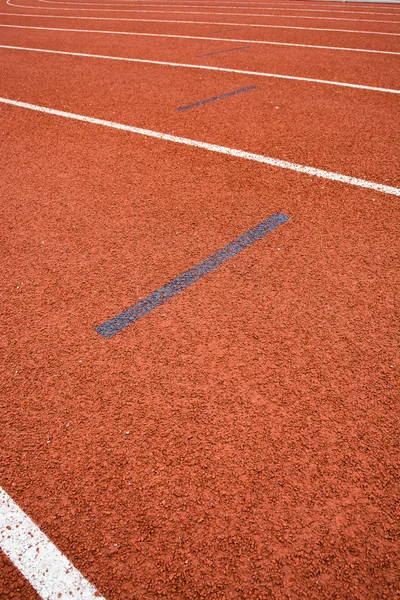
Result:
pixel 216 13
pixel 312 37
pixel 288 132
pixel 214 9
pixel 372 41
pixel 230 6
pixel 222 397
pixel 202 67
pixel 376 70
pixel 131 35
pixel 241 19
pixel 209 388
pixel 280 5
pixel 276 11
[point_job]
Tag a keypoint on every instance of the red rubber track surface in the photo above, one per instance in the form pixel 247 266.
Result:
pixel 328 38
pixel 262 402
pixel 347 67
pixel 304 131
pixel 367 23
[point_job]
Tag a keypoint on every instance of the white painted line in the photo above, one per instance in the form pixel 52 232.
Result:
pixel 259 158
pixel 197 37
pixel 352 3
pixel 277 5
pixel 222 4
pixel 250 5
pixel 48 571
pixel 359 31
pixel 189 12
pixel 205 68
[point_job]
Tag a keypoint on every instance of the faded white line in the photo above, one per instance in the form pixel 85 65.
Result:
pixel 250 5
pixel 392 5
pixel 48 571
pixel 195 23
pixel 192 12
pixel 262 5
pixel 206 68
pixel 259 158
pixel 197 37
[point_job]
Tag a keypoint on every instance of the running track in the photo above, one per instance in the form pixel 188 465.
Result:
pixel 240 440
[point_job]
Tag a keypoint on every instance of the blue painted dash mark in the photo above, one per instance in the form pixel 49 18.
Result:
pixel 222 51
pixel 227 30
pixel 181 108
pixel 181 282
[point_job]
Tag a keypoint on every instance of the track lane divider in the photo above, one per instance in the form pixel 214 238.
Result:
pixel 206 68
pixel 194 12
pixel 177 285
pixel 259 158
pixel 198 37
pixel 235 6
pixel 224 23
pixel 48 571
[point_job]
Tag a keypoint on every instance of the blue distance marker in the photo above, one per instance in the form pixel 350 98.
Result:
pixel 227 30
pixel 253 87
pixel 181 282
pixel 222 51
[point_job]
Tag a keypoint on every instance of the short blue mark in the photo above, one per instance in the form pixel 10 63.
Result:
pixel 222 51
pixel 181 282
pixel 227 30
pixel 253 87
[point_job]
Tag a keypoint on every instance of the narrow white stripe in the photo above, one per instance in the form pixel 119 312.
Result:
pixel 262 5
pixel 250 5
pixel 205 68
pixel 197 37
pixel 274 162
pixel 277 5
pixel 353 4
pixel 194 22
pixel 40 562
pixel 193 12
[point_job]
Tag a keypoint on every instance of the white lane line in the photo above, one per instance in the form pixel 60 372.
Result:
pixel 259 158
pixel 222 4
pixel 188 12
pixel 349 12
pixel 192 12
pixel 48 571
pixel 206 68
pixel 197 37
pixel 353 4
pixel 193 22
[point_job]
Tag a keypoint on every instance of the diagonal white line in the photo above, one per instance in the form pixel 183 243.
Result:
pixel 191 12
pixel 259 158
pixel 48 571
pixel 263 25
pixel 206 68
pixel 199 37
pixel 269 5
pixel 251 5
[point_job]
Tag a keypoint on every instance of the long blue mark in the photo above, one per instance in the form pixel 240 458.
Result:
pixel 181 282
pixel 222 51
pixel 253 87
